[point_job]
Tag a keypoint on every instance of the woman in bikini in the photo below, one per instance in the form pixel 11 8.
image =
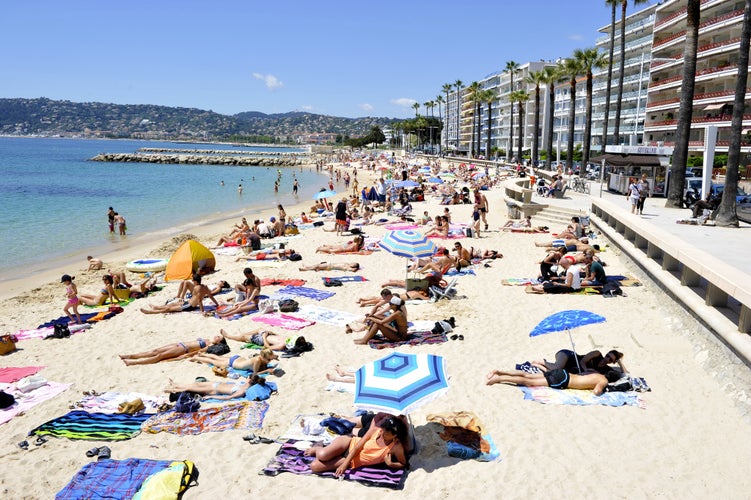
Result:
pixel 217 390
pixel 441 228
pixel 169 351
pixel 258 364
pixel 332 266
pixel 393 327
pixel 271 340
pixel 381 444
pixel 350 247
pixel 108 292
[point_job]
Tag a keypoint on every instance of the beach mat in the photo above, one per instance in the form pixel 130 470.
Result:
pixel 519 281
pixel 111 479
pixel 79 424
pixel 40 333
pixel 318 314
pixel 12 373
pixel 283 321
pixel 109 402
pixel 548 395
pixel 241 415
pixel 26 401
pixel 582 291
pixel 345 279
pixel 291 459
pixel 413 339
pixel 304 291
pixel 281 282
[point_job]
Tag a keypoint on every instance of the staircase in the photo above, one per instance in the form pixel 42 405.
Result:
pixel 556 218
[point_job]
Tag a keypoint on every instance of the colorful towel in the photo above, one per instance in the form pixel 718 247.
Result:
pixel 345 279
pixel 112 479
pixel 401 227
pixel 79 424
pixel 281 282
pixel 413 339
pixel 109 402
pixel 359 252
pixel 212 307
pixel 463 272
pixel 520 281
pixel 319 314
pixel 304 428
pixel 12 373
pixel 283 320
pixel 304 291
pixel 242 415
pixel 26 401
pixel 451 236
pixel 549 395
pixel 291 459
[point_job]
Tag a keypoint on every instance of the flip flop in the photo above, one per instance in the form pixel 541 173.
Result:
pixel 92 452
pixel 265 440
pixel 24 445
pixel 249 437
pixel 41 440
pixel 104 453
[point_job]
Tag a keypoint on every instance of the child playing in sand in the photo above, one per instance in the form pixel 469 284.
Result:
pixel 71 292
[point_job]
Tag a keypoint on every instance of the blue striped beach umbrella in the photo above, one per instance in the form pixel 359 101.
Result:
pixel 400 383
pixel 565 321
pixel 409 244
pixel 324 194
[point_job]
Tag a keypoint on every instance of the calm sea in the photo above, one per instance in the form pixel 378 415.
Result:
pixel 53 202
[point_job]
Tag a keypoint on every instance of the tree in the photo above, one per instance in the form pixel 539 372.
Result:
pixel 447 89
pixel 536 78
pixel 439 100
pixel 622 68
pixel 611 49
pixel 727 215
pixel 587 60
pixel 512 68
pixel 520 97
pixel 488 96
pixel 416 107
pixel 474 98
pixel 552 76
pixel 572 70
pixel 459 85
pixel 683 127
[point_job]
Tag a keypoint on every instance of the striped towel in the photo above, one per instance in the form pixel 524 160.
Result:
pixel 80 424
pixel 111 478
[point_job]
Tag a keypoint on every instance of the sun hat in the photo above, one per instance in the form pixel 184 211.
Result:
pixel 272 219
pixel 397 301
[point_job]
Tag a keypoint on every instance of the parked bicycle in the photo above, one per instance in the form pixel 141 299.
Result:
pixel 579 185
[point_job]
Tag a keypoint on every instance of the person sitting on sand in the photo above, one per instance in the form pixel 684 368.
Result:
pixel 557 379
pixel 463 256
pixel 595 273
pixel 187 285
pixel 199 292
pixel 380 308
pixel 332 266
pixel 258 364
pixel 380 444
pixel 567 359
pixel 572 282
pixel 350 247
pixel 546 264
pixel 108 292
pixel 440 264
pixel 169 351
pixel 440 228
pixel 517 223
pixel 94 264
pixel 393 327
pixel 218 390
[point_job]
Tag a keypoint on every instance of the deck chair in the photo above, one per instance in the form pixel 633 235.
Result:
pixel 448 292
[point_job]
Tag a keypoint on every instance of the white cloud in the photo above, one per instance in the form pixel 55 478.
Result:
pixel 366 107
pixel 576 37
pixel 403 102
pixel 271 82
pixel 306 107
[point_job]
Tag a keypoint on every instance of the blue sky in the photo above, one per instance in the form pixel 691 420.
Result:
pixel 341 58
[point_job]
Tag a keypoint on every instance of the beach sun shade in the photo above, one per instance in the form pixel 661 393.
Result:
pixel 435 180
pixel 400 383
pixel 324 194
pixel 406 184
pixel 409 244
pixel 565 321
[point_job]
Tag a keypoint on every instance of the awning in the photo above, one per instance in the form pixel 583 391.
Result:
pixel 619 160
pixel 745 131
pixel 712 107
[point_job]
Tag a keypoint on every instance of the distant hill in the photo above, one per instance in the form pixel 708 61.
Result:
pixel 46 117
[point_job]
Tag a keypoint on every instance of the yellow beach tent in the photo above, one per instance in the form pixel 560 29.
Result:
pixel 191 257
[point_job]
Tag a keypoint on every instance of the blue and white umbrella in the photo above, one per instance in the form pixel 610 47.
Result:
pixel 565 321
pixel 409 244
pixel 435 180
pixel 400 383
pixel 324 194
pixel 406 184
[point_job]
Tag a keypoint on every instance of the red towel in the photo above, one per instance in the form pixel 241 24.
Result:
pixel 281 282
pixel 13 373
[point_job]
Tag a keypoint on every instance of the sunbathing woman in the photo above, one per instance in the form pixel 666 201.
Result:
pixel 409 295
pixel 380 444
pixel 269 255
pixel 350 247
pixel 517 223
pixel 195 302
pixel 593 361
pixel 271 340
pixel 217 390
pixel 108 292
pixel 187 285
pixel 393 327
pixel 332 266
pixel 557 379
pixel 169 351
pixel 440 229
pixel 258 364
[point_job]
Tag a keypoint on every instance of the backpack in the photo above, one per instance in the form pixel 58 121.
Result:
pixel 288 305
pixel 295 257
pixel 611 289
pixel 219 349
pixel 6 400
pixel 187 403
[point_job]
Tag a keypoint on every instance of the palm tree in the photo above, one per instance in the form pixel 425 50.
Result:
pixel 447 90
pixel 440 100
pixel 512 68
pixel 611 47
pixel 727 215
pixel 588 59
pixel 683 127
pixel 536 78
pixel 488 96
pixel 622 67
pixel 572 70
pixel 416 107
pixel 474 97
pixel 552 76
pixel 520 97
pixel 458 85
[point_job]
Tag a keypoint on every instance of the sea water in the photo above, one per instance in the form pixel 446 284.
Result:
pixel 54 202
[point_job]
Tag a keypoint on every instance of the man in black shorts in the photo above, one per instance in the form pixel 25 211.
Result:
pixel 557 379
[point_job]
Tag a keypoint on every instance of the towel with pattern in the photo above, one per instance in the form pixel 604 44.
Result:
pixel 26 401
pixel 345 279
pixel 79 424
pixel 12 373
pixel 304 291
pixel 520 281
pixel 283 321
pixel 111 478
pixel 242 415
pixel 413 339
pixel 291 459
pixel 281 282
pixel 318 314
pixel 463 272
pixel 109 402
pixel 401 227
pixel 40 333
pixel 548 395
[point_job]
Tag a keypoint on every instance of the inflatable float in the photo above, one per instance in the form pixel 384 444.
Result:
pixel 146 265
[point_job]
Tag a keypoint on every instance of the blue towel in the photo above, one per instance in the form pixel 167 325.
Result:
pixel 111 478
pixel 303 291
pixel 463 272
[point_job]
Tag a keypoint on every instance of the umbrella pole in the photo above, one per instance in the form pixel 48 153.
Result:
pixel 573 348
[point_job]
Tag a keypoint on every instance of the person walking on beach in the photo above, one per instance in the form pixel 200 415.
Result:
pixel 120 220
pixel 71 292
pixel 482 201
pixel 111 219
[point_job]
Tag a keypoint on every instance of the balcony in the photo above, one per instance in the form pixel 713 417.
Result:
pixel 697 97
pixel 711 119
pixel 703 72
pixel 705 24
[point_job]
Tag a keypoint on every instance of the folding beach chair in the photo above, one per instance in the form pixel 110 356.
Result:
pixel 448 292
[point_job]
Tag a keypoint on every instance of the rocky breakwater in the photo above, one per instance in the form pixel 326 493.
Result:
pixel 196 159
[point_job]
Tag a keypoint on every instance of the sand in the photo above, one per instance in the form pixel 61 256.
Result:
pixel 692 439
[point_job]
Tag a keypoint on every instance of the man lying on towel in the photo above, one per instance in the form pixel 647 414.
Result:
pixel 557 379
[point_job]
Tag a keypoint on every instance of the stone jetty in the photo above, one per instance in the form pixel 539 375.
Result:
pixel 286 160
pixel 220 152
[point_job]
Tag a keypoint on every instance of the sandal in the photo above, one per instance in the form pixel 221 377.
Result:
pixel 104 453
pixel 92 452
pixel 41 440
pixel 24 445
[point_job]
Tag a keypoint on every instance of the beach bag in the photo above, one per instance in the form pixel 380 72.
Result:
pixel 187 402
pixel 288 305
pixel 417 284
pixel 61 331
pixel 7 344
pixel 291 229
pixel 28 384
pixel 265 306
pixel 219 349
pixel 318 223
pixel 469 232
pixel 611 289
pixel 295 257
pixel 6 400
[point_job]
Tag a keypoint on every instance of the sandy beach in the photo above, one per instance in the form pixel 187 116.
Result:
pixel 691 439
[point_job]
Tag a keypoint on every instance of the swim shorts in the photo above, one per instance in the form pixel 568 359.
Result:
pixel 557 379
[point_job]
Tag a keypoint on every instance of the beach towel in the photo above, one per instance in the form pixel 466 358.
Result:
pixel 345 279
pixel 319 314
pixel 290 458
pixel 283 320
pixel 66 320
pixel 451 236
pixel 305 428
pixel 12 373
pixel 281 282
pixel 79 424
pixel 582 291
pixel 241 415
pixel 359 252
pixel 26 401
pixel 548 395
pixel 401 227
pixel 519 281
pixel 463 272
pixel 413 339
pixel 212 307
pixel 111 479
pixel 227 251
pixel 109 402
pixel 304 291
pixel 526 230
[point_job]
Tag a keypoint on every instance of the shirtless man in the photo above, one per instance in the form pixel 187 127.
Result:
pixel 332 266
pixel 94 264
pixel 557 379
pixel 463 256
pixel 572 245
pixel 195 302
